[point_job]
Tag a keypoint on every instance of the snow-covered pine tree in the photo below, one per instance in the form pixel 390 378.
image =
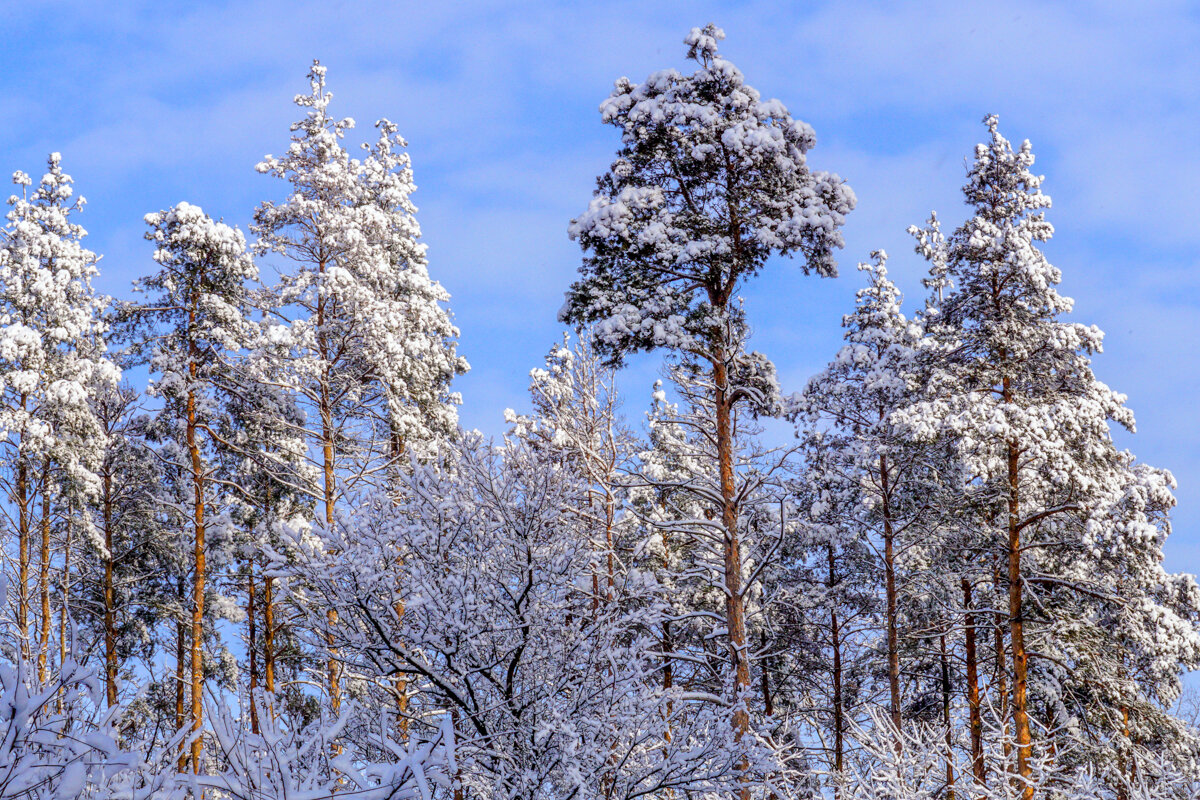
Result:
pixel 193 317
pixel 1014 392
pixel 710 181
pixel 360 337
pixel 868 470
pixel 51 361
pixel 367 346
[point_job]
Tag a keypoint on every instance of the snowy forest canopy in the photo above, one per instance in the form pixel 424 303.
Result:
pixel 281 568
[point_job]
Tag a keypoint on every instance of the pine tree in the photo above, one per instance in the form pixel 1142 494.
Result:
pixel 1015 393
pixel 194 316
pixel 362 339
pixel 51 362
pixel 710 181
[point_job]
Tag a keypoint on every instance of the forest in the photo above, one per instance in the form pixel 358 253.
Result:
pixel 251 553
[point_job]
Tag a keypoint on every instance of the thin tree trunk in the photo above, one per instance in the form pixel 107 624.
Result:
pixel 1001 676
pixel 23 554
pixel 949 739
pixel 973 702
pixel 269 615
pixel 609 517
pixel 111 667
pixel 269 634
pixel 839 711
pixel 252 642
pixel 765 675
pixel 44 576
pixel 332 668
pixel 668 646
pixel 893 636
pixel 65 610
pixel 735 610
pixel 180 657
pixel 400 682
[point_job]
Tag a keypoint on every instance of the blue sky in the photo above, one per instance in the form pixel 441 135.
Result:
pixel 153 103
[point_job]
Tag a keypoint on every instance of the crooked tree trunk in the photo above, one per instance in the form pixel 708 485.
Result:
pixel 973 702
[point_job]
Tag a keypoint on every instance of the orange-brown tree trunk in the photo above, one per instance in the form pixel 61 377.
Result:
pixel 200 563
pixel 269 634
pixel 735 609
pixel 1020 698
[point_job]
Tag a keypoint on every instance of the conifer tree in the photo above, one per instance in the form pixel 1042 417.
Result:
pixel 1015 393
pixel 195 314
pixel 51 362
pixel 709 182
pixel 360 336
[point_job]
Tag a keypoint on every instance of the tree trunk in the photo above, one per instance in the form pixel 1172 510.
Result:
pixel 44 576
pixel 269 634
pixel 1001 673
pixel 765 675
pixel 735 611
pixel 180 657
pixel 893 636
pixel 111 667
pixel 65 609
pixel 668 646
pixel 973 701
pixel 949 739
pixel 199 555
pixel 252 642
pixel 839 711
pixel 1020 712
pixel 325 406
pixel 400 682
pixel 23 554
